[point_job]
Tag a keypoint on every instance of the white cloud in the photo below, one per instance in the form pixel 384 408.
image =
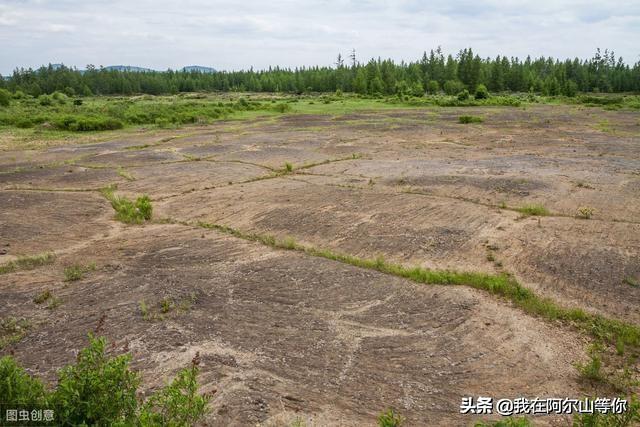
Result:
pixel 229 34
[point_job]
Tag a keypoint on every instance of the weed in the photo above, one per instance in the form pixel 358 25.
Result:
pixel 389 418
pixel 288 167
pixel 585 212
pixel 144 309
pixel 77 271
pixel 535 210
pixel 54 302
pixel 12 330
pixel 127 211
pixel 581 184
pixel 165 305
pixel 631 282
pixel 27 262
pixel 592 370
pixel 470 119
pixel 628 418
pixel 42 296
pixel 491 257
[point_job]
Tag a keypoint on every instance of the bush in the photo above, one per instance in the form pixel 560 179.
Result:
pixel 481 92
pixel 45 100
pixel 102 390
pixel 87 124
pixel 470 119
pixel 5 98
pixel 463 95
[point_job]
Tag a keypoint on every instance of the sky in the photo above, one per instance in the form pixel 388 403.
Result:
pixel 231 35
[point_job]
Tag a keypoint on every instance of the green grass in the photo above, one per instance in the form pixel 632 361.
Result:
pixel 533 210
pixel 77 271
pixel 470 119
pixel 389 418
pixel 502 285
pixel 101 389
pixel 27 262
pixel 128 211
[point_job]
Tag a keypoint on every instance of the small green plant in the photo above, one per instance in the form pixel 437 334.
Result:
pixel 77 271
pixel 470 119
pixel 127 211
pixel 165 305
pixel 535 210
pixel 42 296
pixel 54 302
pixel 592 370
pixel 631 282
pixel 585 212
pixel 389 418
pixel 288 167
pixel 144 309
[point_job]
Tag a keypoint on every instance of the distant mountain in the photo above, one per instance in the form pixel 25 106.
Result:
pixel 198 68
pixel 130 68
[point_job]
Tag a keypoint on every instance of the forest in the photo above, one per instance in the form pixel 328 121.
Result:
pixel 433 73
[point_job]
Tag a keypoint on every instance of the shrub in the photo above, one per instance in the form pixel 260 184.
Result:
pixel 481 92
pixel 470 119
pixel 102 390
pixel 17 387
pixel 463 95
pixel 5 98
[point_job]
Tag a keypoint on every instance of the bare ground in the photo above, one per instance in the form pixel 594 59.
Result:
pixel 285 335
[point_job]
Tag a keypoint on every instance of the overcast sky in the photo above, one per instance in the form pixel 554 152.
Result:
pixel 227 35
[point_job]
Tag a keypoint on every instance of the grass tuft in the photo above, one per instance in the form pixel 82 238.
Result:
pixel 28 262
pixel 533 209
pixel 128 211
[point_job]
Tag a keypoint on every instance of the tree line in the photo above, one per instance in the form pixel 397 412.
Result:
pixel 433 73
